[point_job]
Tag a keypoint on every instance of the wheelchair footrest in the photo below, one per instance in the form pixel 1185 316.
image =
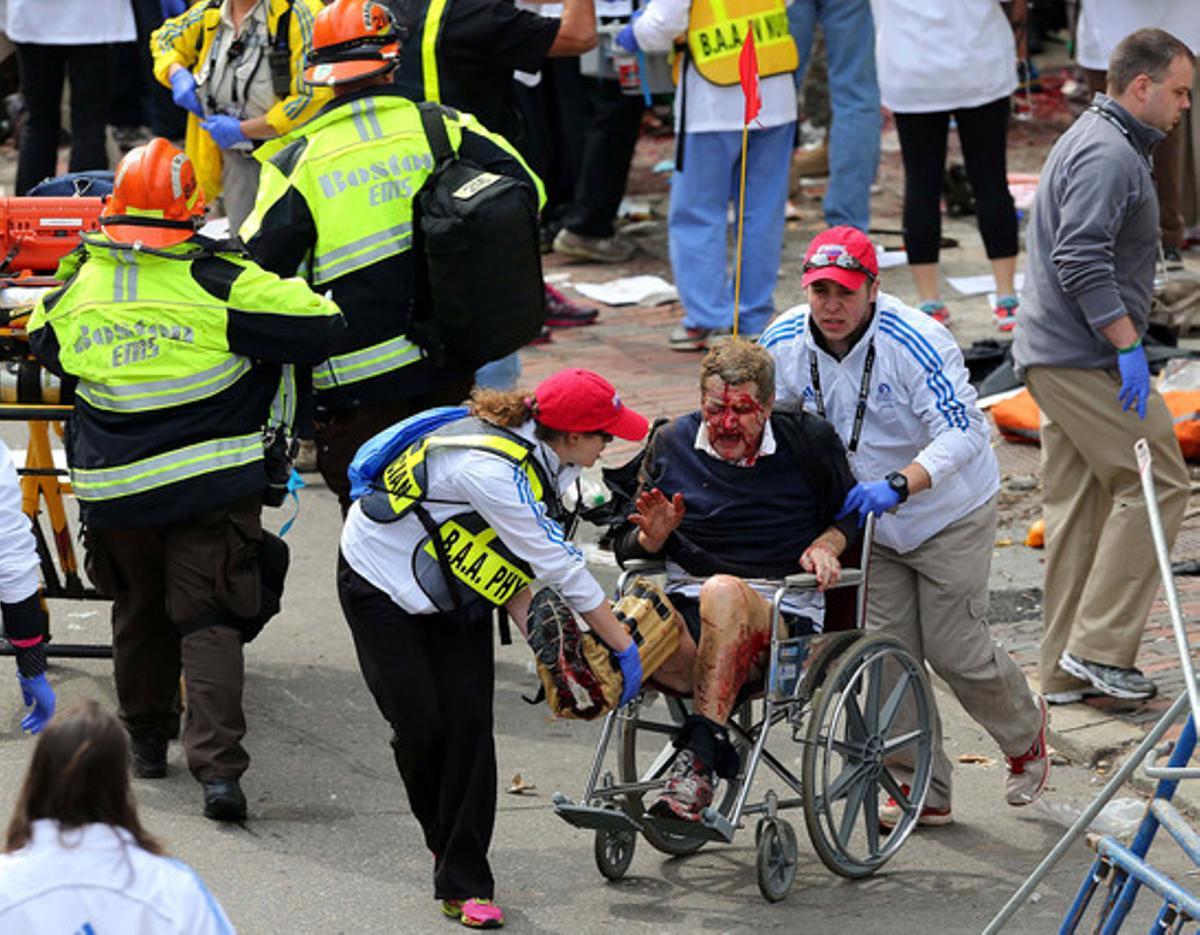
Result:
pixel 720 830
pixel 591 817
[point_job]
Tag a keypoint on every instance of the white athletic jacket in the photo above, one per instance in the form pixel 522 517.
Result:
pixel 97 879
pixel 920 407
pixel 493 488
pixel 20 570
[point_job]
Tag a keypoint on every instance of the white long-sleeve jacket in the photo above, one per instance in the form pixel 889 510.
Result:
pixel 20 571
pixel 711 107
pixel 499 492
pixel 97 879
pixel 920 408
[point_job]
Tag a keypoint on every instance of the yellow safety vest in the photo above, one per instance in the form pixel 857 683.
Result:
pixel 717 28
pixel 481 565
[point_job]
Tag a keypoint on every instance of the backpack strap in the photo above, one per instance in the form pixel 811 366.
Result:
pixel 433 121
pixel 282 25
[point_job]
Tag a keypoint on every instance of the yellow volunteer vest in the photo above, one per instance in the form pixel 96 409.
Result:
pixel 482 566
pixel 717 28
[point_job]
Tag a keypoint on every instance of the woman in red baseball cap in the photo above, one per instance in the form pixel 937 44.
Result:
pixel 454 525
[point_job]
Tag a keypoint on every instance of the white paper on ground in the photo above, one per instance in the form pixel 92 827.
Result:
pixel 557 279
pixel 980 285
pixel 889 259
pixel 630 290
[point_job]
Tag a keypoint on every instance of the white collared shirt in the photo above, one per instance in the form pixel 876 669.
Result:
pixel 765 447
pixel 461 480
pixel 241 88
pixel 921 407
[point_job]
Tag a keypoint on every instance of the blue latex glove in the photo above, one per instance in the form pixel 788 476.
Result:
pixel 631 672
pixel 625 38
pixel 875 497
pixel 172 7
pixel 37 692
pixel 1135 380
pixel 226 131
pixel 183 92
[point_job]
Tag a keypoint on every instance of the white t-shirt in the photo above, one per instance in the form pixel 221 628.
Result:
pixel 1104 23
pixel 936 55
pixel 97 879
pixel 69 22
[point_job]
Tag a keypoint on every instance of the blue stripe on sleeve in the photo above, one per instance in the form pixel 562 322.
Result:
pixel 552 530
pixel 785 330
pixel 948 403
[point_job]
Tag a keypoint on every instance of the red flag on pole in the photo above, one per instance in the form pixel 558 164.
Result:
pixel 748 72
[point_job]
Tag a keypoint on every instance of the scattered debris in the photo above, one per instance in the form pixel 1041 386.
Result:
pixel 519 786
pixel 976 759
pixel 1036 537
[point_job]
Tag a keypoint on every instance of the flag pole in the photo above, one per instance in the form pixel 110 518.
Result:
pixel 737 262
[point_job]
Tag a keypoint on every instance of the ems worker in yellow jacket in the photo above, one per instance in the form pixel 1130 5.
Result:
pixel 709 109
pixel 236 67
pixel 336 201
pixel 177 345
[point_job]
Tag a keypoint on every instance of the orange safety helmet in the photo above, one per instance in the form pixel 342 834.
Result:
pixel 155 199
pixel 352 40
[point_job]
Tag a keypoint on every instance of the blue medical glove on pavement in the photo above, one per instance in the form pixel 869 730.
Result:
pixel 183 92
pixel 876 497
pixel 1135 379
pixel 625 38
pixel 631 672
pixel 226 131
pixel 36 691
pixel 172 8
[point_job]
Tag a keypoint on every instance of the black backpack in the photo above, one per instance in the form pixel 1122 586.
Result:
pixel 477 232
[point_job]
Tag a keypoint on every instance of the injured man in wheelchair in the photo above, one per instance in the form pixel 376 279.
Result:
pixel 734 497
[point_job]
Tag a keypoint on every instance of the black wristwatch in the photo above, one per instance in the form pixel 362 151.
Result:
pixel 899 483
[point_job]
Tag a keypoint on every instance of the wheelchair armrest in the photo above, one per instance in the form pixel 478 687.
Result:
pixel 851 578
pixel 644 566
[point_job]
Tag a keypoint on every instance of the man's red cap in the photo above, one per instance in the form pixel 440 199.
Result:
pixel 581 401
pixel 833 243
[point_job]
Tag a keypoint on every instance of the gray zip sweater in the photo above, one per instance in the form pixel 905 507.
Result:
pixel 1092 242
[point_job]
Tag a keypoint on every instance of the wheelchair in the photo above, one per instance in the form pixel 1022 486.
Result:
pixel 837 693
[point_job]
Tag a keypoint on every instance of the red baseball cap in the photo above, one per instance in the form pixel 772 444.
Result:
pixel 844 254
pixel 581 401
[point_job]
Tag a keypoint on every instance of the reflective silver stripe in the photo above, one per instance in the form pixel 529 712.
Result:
pixel 372 361
pixel 372 118
pixel 158 394
pixel 363 259
pixel 283 406
pixel 356 116
pixel 167 468
pixel 323 264
pixel 125 277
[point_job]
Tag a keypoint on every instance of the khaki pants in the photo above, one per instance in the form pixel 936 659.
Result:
pixel 934 600
pixel 1101 572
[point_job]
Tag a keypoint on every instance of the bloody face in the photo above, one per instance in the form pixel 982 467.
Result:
pixel 734 417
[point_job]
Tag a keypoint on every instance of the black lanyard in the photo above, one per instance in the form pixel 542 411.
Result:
pixel 864 389
pixel 1124 130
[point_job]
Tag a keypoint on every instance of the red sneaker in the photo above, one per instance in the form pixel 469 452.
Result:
pixel 891 813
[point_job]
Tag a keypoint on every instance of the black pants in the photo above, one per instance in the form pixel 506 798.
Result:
pixel 137 97
pixel 43 68
pixel 983 132
pixel 432 678
pixel 614 120
pixel 554 115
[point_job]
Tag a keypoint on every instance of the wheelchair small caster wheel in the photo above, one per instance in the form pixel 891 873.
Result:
pixel 777 856
pixel 614 852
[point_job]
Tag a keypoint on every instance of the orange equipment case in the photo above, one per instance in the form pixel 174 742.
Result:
pixel 35 233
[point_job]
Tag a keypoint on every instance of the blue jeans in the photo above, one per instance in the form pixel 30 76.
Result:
pixel 699 227
pixel 854 96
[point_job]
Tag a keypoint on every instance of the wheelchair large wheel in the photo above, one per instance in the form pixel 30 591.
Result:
pixel 649 758
pixel 852 733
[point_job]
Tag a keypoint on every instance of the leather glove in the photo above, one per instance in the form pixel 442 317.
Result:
pixel 183 92
pixel 625 38
pixel 875 497
pixel 1135 379
pixel 172 8
pixel 631 672
pixel 37 692
pixel 226 131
